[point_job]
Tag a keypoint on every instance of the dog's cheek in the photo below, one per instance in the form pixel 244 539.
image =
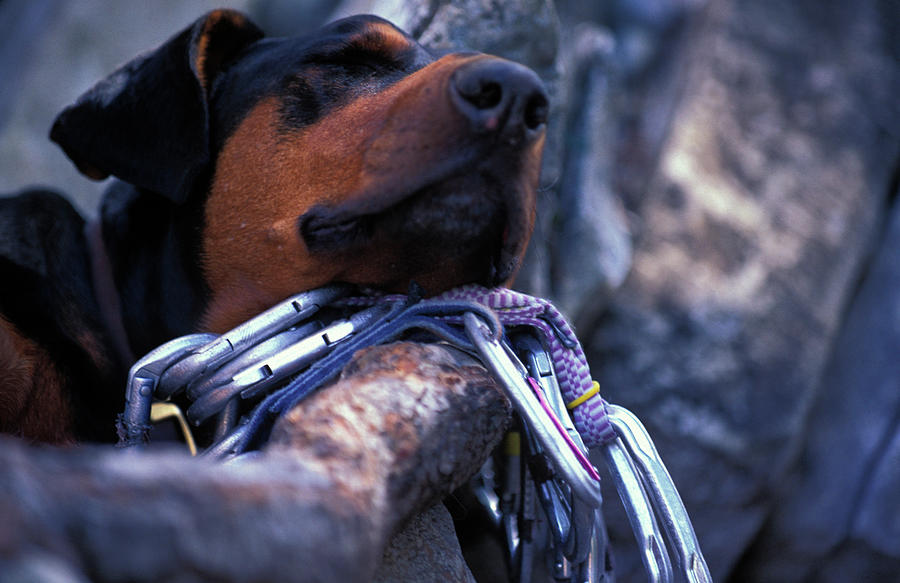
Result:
pixel 252 255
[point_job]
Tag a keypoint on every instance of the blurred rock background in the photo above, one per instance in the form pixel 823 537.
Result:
pixel 719 218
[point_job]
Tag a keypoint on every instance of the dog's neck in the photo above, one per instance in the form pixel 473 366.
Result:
pixel 106 294
pixel 152 247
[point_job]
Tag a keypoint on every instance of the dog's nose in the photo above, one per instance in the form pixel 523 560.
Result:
pixel 500 96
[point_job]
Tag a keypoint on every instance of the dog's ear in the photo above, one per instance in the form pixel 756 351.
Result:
pixel 148 122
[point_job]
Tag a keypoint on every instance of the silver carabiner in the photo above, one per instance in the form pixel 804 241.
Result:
pixel 261 375
pixel 540 367
pixel 211 394
pixel 223 375
pixel 640 513
pixel 279 317
pixel 285 363
pixel 595 568
pixel 580 518
pixel 663 494
pixel 143 381
pixel 512 376
pixel 484 487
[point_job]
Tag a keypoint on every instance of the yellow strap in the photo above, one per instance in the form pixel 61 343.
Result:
pixel 160 411
pixel 595 388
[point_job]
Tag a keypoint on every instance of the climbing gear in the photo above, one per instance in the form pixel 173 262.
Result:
pixel 540 489
pixel 570 530
pixel 538 418
pixel 161 410
pixel 516 309
pixel 663 497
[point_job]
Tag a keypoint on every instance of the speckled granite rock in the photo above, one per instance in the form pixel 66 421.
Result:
pixel 755 226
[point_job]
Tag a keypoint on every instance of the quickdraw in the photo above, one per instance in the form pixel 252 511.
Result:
pixel 248 377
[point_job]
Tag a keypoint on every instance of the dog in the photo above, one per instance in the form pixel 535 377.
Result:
pixel 248 169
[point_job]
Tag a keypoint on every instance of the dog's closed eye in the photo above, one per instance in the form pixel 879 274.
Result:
pixel 323 230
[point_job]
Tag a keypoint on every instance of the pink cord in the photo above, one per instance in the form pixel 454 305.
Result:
pixel 582 459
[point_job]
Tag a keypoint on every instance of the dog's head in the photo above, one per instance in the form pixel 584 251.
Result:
pixel 349 155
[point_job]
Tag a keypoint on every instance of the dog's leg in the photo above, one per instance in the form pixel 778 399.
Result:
pixel 32 401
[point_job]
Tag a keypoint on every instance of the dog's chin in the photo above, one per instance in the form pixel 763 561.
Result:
pixel 462 224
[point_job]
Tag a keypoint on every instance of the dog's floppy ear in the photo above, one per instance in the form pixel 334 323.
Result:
pixel 148 122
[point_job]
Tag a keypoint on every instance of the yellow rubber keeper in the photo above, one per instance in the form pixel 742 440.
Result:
pixel 595 388
pixel 512 444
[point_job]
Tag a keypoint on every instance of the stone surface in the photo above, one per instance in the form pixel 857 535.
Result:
pixel 843 497
pixel 425 550
pixel 754 229
pixel 587 237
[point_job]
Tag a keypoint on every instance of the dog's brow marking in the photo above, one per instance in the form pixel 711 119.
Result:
pixel 379 37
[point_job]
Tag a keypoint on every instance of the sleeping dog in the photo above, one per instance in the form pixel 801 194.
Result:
pixel 249 169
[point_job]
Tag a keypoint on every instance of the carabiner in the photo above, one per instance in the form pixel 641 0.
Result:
pixel 143 382
pixel 663 495
pixel 537 360
pixel 640 513
pixel 218 378
pixel 594 568
pixel 512 376
pixel 540 366
pixel 484 487
pixel 225 347
pixel 263 374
